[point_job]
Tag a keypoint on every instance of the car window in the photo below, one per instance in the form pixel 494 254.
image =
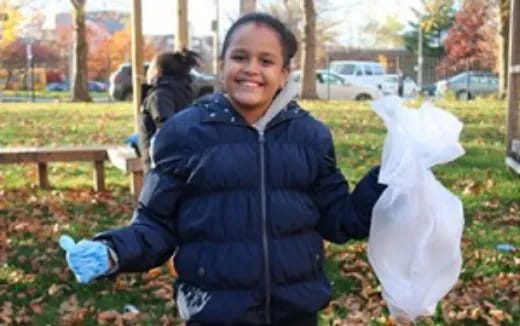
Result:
pixel 344 69
pixel 331 79
pixel 458 79
pixel 475 80
pixel 368 70
pixel 378 70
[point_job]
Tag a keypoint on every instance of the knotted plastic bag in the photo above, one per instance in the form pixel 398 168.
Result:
pixel 414 242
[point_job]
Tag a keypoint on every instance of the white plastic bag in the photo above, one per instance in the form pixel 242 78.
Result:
pixel 414 242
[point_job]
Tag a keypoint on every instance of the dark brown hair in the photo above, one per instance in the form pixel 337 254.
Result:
pixel 175 63
pixel 287 38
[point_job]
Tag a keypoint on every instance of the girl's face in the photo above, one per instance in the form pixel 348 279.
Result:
pixel 253 68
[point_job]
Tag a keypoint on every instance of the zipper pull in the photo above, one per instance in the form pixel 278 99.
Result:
pixel 261 138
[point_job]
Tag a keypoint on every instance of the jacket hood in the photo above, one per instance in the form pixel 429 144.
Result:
pixel 284 97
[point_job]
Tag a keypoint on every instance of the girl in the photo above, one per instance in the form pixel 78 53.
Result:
pixel 170 91
pixel 244 187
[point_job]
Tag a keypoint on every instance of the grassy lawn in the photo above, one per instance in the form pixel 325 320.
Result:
pixel 60 96
pixel 37 288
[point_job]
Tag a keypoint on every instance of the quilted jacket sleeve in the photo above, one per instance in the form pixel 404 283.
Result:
pixel 344 215
pixel 150 238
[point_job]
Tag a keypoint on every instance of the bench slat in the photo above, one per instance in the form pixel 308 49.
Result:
pixel 125 159
pixel 49 154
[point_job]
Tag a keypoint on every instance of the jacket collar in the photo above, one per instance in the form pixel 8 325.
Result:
pixel 216 108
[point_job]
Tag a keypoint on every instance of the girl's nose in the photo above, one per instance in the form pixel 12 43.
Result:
pixel 252 66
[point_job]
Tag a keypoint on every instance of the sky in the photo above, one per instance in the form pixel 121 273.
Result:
pixel 159 15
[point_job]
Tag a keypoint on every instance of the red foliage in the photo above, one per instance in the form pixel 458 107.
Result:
pixel 472 38
pixel 54 76
pixel 15 54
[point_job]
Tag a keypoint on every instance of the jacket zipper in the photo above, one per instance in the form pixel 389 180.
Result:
pixel 261 142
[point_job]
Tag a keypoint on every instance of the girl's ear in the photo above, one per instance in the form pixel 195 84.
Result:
pixel 284 78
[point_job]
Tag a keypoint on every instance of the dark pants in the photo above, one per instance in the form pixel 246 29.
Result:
pixel 307 320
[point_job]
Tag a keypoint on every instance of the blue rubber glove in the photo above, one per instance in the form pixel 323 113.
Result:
pixel 87 259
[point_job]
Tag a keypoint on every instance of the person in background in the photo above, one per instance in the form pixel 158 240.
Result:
pixel 400 83
pixel 169 92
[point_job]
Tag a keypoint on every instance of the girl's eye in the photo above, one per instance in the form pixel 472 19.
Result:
pixel 267 61
pixel 238 57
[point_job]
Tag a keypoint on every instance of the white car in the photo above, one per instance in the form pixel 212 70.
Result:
pixel 331 86
pixel 391 86
pixel 360 72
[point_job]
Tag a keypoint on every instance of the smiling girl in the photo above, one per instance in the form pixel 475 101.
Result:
pixel 244 189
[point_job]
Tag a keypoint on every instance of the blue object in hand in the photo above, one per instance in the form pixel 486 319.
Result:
pixel 87 259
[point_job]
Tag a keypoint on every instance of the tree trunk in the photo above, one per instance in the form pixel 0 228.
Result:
pixel 308 90
pixel 503 60
pixel 80 77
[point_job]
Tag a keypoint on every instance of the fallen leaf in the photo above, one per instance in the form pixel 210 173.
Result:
pixel 110 316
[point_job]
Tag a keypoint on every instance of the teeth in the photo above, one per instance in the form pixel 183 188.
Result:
pixel 248 83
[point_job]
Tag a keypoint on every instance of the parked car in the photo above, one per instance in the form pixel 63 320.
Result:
pixel 360 72
pixel 96 86
pixel 429 89
pixel 391 86
pixel 330 83
pixel 121 82
pixel 57 87
pixel 93 86
pixel 468 85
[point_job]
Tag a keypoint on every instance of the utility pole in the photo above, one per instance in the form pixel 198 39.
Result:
pixel 137 59
pixel 247 6
pixel 216 39
pixel 181 35
pixel 420 58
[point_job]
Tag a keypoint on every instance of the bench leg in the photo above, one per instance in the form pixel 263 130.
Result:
pixel 43 176
pixel 99 176
pixel 136 183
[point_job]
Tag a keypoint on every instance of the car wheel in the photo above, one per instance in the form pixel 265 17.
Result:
pixel 464 95
pixel 363 97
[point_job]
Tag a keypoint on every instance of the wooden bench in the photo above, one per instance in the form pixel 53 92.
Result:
pixel 122 157
pixel 43 155
pixel 125 159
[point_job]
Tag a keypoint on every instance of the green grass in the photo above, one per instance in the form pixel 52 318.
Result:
pixel 60 96
pixel 41 290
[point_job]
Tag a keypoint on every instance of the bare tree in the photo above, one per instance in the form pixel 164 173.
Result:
pixel 80 78
pixel 504 12
pixel 308 90
pixel 327 33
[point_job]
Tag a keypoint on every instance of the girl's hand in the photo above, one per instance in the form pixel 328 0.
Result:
pixel 87 259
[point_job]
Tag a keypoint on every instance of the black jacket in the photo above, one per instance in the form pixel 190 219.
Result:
pixel 167 96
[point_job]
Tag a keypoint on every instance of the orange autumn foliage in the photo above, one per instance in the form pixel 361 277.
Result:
pixel 111 52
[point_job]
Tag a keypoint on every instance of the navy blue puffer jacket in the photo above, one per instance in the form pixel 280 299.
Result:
pixel 245 212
